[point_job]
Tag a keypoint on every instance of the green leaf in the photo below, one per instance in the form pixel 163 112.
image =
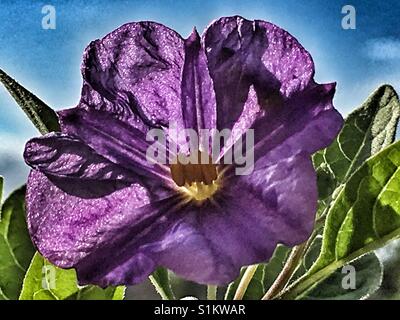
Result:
pixel 390 259
pixel 161 281
pixel 1 190
pixel 368 272
pixel 16 248
pixel 309 258
pixel 44 281
pixel 97 293
pixel 312 253
pixel 366 131
pixel 41 115
pixel 254 291
pixel 275 265
pixel 263 278
pixel 364 217
pixel 43 295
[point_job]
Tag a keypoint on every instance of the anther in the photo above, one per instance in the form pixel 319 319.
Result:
pixel 191 173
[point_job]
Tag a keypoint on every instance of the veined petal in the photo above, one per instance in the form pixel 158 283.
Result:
pixel 113 139
pixel 242 53
pixel 198 98
pixel 93 232
pixel 208 244
pixel 86 210
pixel 307 123
pixel 62 156
pixel 288 188
pixel 136 69
pixel 244 223
pixel 118 109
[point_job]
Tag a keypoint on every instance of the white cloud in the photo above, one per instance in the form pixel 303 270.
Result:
pixel 383 49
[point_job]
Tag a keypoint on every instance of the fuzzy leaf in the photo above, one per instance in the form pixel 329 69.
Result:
pixel 275 265
pixel 16 249
pixel 161 281
pixel 366 131
pixel 42 116
pixel 367 273
pixel 44 281
pixel 97 293
pixel 364 217
pixel 254 291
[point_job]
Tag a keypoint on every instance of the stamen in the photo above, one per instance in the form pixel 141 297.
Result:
pixel 200 191
pixel 177 174
pixel 196 180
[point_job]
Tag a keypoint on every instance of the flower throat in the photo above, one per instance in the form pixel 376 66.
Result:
pixel 199 180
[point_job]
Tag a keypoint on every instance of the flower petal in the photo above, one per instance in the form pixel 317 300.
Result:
pixel 288 188
pixel 113 139
pixel 307 123
pixel 242 53
pixel 75 231
pixel 136 69
pixel 247 220
pixel 198 98
pixel 86 210
pixel 62 156
pixel 121 238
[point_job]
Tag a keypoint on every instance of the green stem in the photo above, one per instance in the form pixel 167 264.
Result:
pixel 287 272
pixel 211 292
pixel 244 282
pixel 308 280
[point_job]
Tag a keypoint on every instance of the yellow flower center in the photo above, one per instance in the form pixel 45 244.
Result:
pixel 199 191
pixel 198 181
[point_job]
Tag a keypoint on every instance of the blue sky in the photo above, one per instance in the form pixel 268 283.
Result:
pixel 47 61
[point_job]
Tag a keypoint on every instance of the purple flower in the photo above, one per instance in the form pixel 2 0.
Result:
pixel 96 204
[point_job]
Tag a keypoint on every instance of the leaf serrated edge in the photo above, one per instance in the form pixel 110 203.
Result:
pixel 311 277
pixel 380 280
pixel 306 281
pixel 160 290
